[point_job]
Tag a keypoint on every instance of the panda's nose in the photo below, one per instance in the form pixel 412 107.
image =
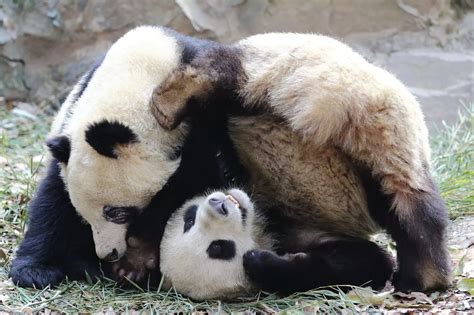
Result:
pixel 112 256
pixel 219 205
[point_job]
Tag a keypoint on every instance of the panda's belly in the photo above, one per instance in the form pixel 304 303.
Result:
pixel 315 187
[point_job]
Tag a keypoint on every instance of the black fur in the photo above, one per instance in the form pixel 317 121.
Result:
pixel 221 249
pixel 417 230
pixel 190 47
pixel 421 248
pixel 244 213
pixel 120 215
pixel 57 242
pixel 60 147
pixel 190 218
pixel 419 237
pixel 105 135
pixel 201 169
pixel 340 262
pixel 112 256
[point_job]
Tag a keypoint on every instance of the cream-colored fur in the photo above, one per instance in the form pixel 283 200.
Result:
pixel 316 186
pixel 184 261
pixel 330 94
pixel 120 90
pixel 331 97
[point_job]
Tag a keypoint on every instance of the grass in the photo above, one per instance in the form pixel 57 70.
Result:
pixel 453 164
pixel 21 155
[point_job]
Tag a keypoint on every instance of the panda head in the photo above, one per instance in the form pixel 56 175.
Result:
pixel 114 157
pixel 201 253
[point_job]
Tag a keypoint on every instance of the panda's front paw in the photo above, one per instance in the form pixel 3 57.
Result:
pixel 405 282
pixel 139 261
pixel 256 265
pixel 36 276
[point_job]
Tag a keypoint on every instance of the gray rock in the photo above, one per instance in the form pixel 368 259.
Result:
pixel 46 45
pixel 441 80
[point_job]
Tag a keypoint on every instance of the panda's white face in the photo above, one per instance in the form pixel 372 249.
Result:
pixel 118 157
pixel 110 192
pixel 203 246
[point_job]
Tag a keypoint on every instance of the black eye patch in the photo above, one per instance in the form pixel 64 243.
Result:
pixel 189 217
pixel 221 249
pixel 120 215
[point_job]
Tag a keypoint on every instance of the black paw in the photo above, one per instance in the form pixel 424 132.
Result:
pixel 38 276
pixel 404 282
pixel 257 265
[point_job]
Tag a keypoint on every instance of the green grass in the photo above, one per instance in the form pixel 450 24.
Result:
pixel 21 153
pixel 453 164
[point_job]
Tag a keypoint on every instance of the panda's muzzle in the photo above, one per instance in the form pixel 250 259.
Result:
pixel 219 205
pixel 112 257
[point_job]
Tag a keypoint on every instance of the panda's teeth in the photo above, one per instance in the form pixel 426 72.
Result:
pixel 233 200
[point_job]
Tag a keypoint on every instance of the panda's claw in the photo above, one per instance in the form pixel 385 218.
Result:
pixel 121 272
pixel 151 264
pixel 255 262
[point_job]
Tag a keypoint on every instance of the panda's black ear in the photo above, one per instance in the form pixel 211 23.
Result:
pixel 60 147
pixel 105 135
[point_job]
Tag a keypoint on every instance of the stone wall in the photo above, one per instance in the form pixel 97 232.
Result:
pixel 45 45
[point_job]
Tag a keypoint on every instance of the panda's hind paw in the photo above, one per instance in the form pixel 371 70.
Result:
pixel 38 276
pixel 139 261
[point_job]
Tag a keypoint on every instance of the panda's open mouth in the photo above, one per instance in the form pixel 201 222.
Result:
pixel 233 200
pixel 221 205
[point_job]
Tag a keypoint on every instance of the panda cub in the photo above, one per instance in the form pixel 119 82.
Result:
pixel 213 247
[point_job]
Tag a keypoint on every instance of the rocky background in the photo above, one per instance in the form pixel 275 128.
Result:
pixel 45 45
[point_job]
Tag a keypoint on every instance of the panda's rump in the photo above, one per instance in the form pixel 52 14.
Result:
pixel 317 187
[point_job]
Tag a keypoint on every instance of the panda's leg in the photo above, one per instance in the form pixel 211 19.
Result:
pixel 378 123
pixel 53 226
pixel 335 262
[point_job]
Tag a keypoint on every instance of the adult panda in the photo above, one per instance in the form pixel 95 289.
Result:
pixel 110 159
pixel 329 95
pixel 47 252
pixel 214 246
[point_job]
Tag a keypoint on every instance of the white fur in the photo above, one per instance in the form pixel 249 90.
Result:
pixel 120 90
pixel 329 93
pixel 183 257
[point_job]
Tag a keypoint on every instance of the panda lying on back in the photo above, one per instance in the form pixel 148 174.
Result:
pixel 213 247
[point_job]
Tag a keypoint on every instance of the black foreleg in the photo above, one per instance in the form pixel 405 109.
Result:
pixel 340 262
pixel 44 255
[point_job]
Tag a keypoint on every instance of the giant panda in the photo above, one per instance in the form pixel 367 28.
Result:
pixel 49 249
pixel 110 160
pixel 213 246
pixel 328 94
